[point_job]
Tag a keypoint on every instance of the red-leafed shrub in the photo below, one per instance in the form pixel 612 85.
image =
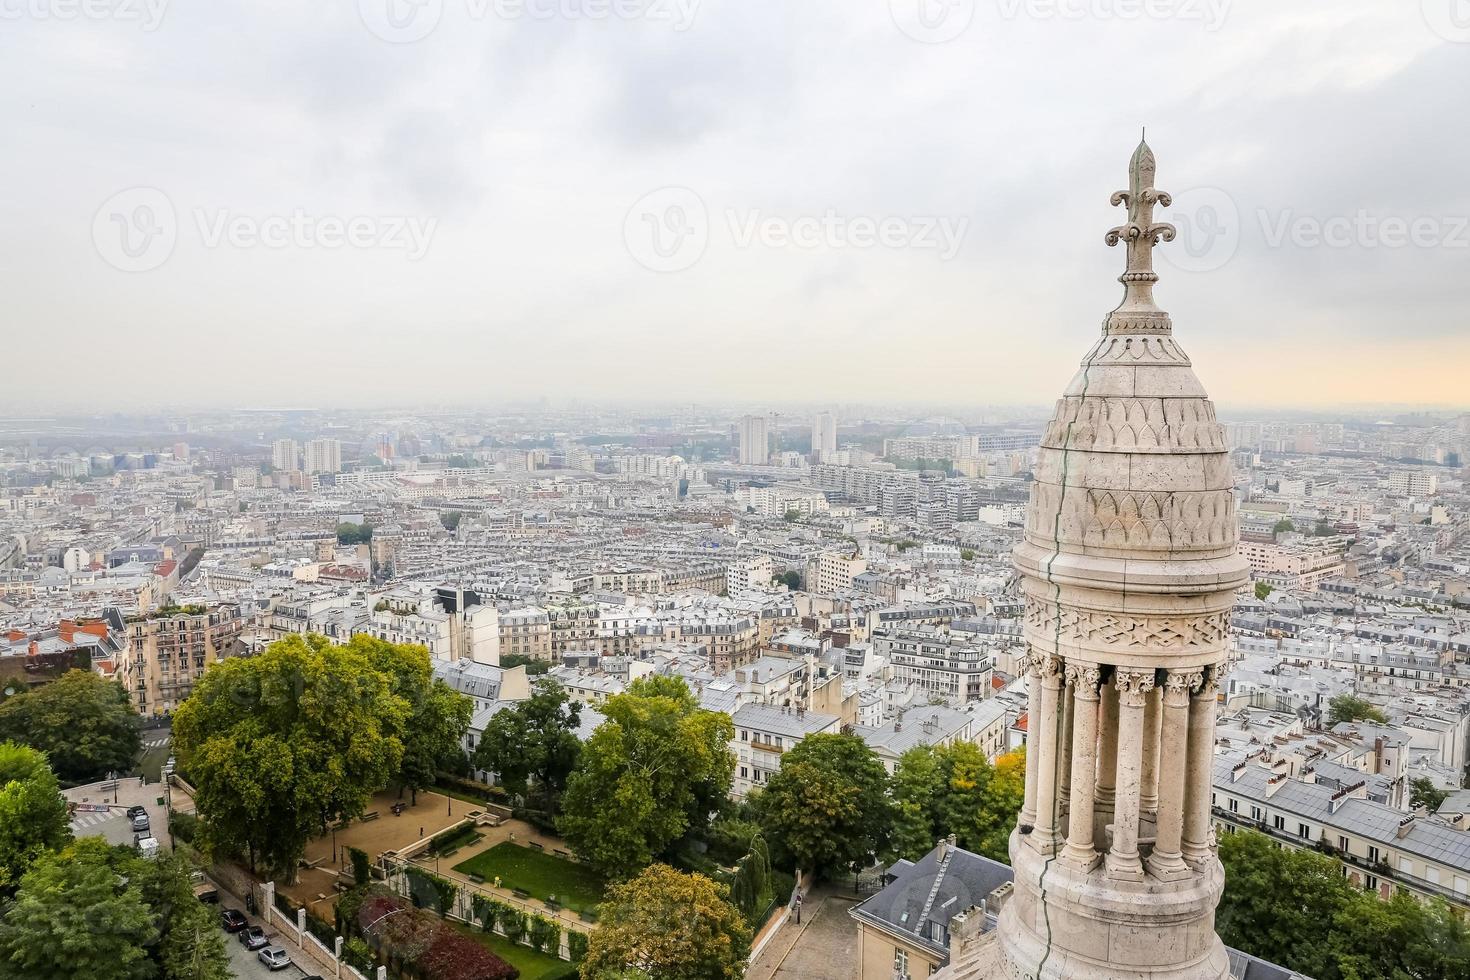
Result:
pixel 417 944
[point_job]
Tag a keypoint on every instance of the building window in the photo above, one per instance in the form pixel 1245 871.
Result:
pixel 1303 831
pixel 1342 844
pixel 1234 806
pixel 1279 821
pixel 900 962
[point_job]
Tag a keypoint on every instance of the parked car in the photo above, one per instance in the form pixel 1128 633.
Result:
pixel 232 920
pixel 136 810
pixel 253 937
pixel 140 823
pixel 274 957
pixel 146 845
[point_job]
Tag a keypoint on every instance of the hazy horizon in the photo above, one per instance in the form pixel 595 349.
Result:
pixel 895 202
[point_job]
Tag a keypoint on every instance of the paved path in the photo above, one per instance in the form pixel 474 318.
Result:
pixel 823 947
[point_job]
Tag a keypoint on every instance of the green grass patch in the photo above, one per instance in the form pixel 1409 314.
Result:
pixel 539 874
pixel 533 965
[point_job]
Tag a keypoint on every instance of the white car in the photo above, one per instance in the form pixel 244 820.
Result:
pixel 274 957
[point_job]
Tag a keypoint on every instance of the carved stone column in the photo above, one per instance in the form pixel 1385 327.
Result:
pixel 1133 687
pixel 1029 666
pixel 1064 762
pixel 1167 860
pixel 1199 771
pixel 1149 797
pixel 1084 679
pixel 1107 757
pixel 1045 837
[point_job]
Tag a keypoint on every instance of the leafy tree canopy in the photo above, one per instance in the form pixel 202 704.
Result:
pixel 954 789
pixel 1423 792
pixel 827 807
pixel 280 743
pixel 669 925
pixel 83 723
pixel 1347 707
pixel 651 774
pixel 535 740
pixel 33 817
pixel 439 716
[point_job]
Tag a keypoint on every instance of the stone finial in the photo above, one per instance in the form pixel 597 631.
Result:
pixel 1138 313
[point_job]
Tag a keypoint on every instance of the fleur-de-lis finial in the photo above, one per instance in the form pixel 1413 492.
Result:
pixel 1141 233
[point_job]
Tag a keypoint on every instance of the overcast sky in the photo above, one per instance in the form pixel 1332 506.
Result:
pixel 344 203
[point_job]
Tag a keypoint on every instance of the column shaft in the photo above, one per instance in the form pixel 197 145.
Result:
pixel 1167 859
pixel 1199 773
pixel 1044 838
pixel 1123 860
pixel 1033 725
pixel 1085 708
pixel 1150 791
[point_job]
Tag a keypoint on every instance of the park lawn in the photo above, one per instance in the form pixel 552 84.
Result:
pixel 531 964
pixel 539 874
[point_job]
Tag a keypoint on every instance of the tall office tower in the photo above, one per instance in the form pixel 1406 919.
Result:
pixel 824 436
pixel 1129 567
pixel 323 456
pixel 754 440
pixel 284 453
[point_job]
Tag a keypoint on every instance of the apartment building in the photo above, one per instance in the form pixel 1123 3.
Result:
pixel 168 651
pixel 754 437
pixel 1381 849
pixel 323 456
pixel 526 632
pixel 942 666
pixel 1299 565
pixel 749 575
pixel 285 455
pixel 836 571
pixel 763 734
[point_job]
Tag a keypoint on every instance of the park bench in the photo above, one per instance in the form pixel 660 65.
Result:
pixel 520 893
pixel 537 844
pixel 477 879
pixel 561 853
pixel 370 815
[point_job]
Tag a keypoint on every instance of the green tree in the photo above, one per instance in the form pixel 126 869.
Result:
pixel 33 817
pixel 954 789
pixel 438 717
pixel 1422 792
pixel 1402 938
pixel 191 945
pixel 791 579
pixel 534 667
pixel 280 743
pixel 450 519
pixel 349 533
pixel 1264 589
pixel 535 739
pixel 76 915
pixel 827 807
pixel 1278 901
pixel 1283 526
pixel 652 773
pixel 83 723
pixel 1347 707
pixel 669 925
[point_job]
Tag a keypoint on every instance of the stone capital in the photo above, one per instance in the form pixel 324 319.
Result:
pixel 1133 685
pixel 1180 684
pixel 1085 678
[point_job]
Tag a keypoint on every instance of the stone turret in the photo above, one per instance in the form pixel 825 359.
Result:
pixel 1129 569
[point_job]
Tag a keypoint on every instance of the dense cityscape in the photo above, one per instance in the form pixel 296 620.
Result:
pixel 714 490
